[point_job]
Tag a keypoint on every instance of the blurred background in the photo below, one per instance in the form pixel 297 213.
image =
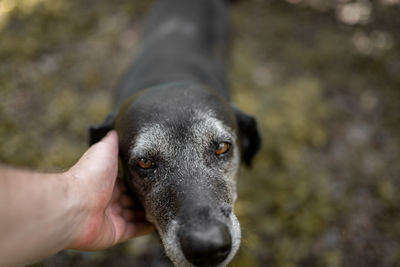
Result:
pixel 321 76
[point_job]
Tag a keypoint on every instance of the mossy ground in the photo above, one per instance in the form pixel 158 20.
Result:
pixel 325 90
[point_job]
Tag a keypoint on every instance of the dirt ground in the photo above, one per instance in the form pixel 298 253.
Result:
pixel 321 77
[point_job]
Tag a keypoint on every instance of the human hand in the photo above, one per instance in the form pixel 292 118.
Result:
pixel 107 214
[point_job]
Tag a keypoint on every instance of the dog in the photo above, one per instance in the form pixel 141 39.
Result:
pixel 181 139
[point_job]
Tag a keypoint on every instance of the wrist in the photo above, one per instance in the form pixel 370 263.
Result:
pixel 76 210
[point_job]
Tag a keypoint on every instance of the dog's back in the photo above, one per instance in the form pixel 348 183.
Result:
pixel 182 40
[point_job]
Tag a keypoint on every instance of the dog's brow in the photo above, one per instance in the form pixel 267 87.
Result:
pixel 158 139
pixel 209 126
pixel 151 138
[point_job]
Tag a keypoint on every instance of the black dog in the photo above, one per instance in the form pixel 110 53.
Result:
pixel 181 140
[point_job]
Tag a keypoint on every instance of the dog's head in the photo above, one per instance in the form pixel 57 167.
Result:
pixel 181 148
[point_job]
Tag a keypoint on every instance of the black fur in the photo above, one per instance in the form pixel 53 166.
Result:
pixel 178 83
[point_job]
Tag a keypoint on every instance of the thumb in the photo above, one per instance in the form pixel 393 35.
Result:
pixel 99 164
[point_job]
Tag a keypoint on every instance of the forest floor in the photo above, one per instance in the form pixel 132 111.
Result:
pixel 322 80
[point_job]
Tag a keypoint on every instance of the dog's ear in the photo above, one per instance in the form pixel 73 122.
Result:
pixel 97 132
pixel 249 135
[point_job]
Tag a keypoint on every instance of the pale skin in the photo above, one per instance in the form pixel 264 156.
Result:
pixel 84 208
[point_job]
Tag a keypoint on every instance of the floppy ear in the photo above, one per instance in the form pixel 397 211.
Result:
pixel 97 132
pixel 249 136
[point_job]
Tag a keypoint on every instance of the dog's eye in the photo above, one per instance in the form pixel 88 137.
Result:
pixel 145 163
pixel 222 148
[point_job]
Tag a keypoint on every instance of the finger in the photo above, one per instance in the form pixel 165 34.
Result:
pixel 139 215
pixel 128 215
pixel 116 195
pixel 127 201
pixel 122 185
pixel 115 208
pixel 137 229
pixel 133 215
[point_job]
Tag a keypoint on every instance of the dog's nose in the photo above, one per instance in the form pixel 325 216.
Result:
pixel 207 245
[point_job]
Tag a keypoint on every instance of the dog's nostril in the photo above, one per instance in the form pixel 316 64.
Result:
pixel 226 211
pixel 206 246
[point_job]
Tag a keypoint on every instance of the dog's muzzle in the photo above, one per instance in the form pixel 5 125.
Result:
pixel 205 242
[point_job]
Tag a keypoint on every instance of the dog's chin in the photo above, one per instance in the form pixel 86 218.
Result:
pixel 175 254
